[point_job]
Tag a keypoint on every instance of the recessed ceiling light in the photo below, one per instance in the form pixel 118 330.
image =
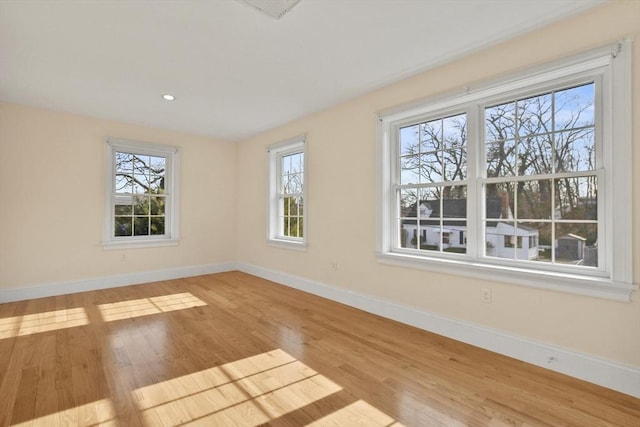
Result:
pixel 168 97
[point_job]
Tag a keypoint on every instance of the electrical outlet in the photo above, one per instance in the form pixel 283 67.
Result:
pixel 486 295
pixel 334 266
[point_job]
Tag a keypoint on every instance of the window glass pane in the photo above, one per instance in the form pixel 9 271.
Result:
pixel 501 159
pixel 141 205
pixel 141 226
pixel 123 184
pixel 429 203
pixel 286 205
pixel 453 237
pixel 407 231
pixel 141 164
pixel 576 244
pixel 576 198
pixel 157 226
pixel 291 206
pixel 285 162
pixel 574 107
pixel 431 136
pixel 293 227
pixel 431 167
pixel 297 162
pixel 156 185
pixel 140 184
pixel 156 205
pixel 535 154
pixel 409 140
pixel 408 203
pixel 157 165
pixel 124 162
pixel 575 150
pixel 292 183
pixel 534 115
pixel 455 131
pixel 536 240
pixel 410 170
pixel 408 234
pixel 123 205
pixel 455 165
pixel 500 239
pixel 123 226
pixel 295 182
pixel 534 199
pixel 499 201
pixel 500 122
pixel 429 237
pixel 454 202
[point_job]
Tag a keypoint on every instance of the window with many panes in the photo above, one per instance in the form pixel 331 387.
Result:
pixel 287 193
pixel 531 173
pixel 140 194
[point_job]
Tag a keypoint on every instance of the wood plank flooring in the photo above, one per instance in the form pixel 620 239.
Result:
pixel 232 349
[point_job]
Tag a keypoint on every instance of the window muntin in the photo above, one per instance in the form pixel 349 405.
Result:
pixel 140 194
pixel 287 193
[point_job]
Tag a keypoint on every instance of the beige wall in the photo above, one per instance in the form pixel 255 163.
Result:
pixel 51 199
pixel 342 203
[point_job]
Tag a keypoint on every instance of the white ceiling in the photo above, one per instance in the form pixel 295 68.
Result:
pixel 235 71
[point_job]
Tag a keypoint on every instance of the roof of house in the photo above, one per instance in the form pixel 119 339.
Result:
pixel 454 211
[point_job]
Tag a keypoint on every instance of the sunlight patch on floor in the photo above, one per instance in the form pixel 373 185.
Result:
pixel 146 306
pixel 248 392
pixel 358 413
pixel 42 322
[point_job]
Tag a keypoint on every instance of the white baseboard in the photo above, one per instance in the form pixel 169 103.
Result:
pixel 599 371
pixel 92 284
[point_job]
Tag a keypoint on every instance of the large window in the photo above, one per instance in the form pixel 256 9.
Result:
pixel 287 225
pixel 140 206
pixel 533 172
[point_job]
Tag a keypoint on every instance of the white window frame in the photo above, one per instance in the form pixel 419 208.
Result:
pixel 613 278
pixel 275 235
pixel 171 153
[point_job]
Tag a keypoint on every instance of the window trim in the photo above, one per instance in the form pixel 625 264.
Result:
pixel 615 280
pixel 275 152
pixel 171 236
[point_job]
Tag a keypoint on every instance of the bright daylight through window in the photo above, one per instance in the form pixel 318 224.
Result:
pixel 509 179
pixel 141 206
pixel 287 193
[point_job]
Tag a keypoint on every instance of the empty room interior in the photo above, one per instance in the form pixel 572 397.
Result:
pixel 318 212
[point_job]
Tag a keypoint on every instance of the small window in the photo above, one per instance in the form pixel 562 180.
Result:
pixel 287 195
pixel 140 206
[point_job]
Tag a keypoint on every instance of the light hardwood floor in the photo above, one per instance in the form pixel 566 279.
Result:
pixel 232 349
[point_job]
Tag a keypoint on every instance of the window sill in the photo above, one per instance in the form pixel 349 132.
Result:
pixel 598 287
pixel 136 244
pixel 287 244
